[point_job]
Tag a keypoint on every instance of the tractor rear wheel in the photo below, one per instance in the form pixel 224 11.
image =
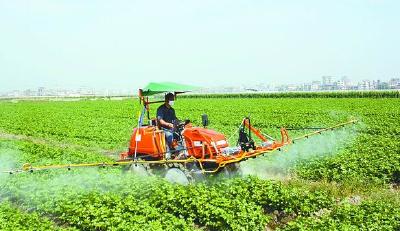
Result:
pixel 231 170
pixel 195 172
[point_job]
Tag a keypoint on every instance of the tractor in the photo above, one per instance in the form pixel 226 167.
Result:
pixel 199 150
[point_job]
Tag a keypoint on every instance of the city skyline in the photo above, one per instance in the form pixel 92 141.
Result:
pixel 206 85
pixel 325 83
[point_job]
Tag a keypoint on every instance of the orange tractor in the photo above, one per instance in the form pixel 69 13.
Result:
pixel 198 150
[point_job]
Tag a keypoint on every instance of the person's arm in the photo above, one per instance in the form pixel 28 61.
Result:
pixel 165 124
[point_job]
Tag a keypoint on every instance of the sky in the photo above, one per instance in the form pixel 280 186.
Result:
pixel 126 44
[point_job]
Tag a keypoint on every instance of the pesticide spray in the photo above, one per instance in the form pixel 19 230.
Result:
pixel 37 189
pixel 8 160
pixel 42 191
pixel 278 165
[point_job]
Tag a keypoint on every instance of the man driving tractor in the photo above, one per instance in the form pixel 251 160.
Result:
pixel 166 118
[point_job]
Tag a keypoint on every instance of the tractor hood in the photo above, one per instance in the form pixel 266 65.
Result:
pixel 196 138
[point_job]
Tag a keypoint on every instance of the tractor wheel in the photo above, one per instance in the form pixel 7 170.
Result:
pixel 178 174
pixel 139 170
pixel 196 173
pixel 231 170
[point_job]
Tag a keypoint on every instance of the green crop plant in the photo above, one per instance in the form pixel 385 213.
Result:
pixel 49 132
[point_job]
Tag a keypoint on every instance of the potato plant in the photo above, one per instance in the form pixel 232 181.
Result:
pixel 43 132
pixel 13 218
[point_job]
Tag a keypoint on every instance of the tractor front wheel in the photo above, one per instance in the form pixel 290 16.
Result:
pixel 139 170
pixel 178 175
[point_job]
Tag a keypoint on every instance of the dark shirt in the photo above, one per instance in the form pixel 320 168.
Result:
pixel 166 114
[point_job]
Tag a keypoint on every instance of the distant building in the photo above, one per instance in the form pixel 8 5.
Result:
pixel 29 92
pixel 14 93
pixel 347 82
pixel 41 91
pixel 85 91
pixel 394 83
pixel 326 80
pixel 316 85
pixel 340 85
pixel 327 83
pixel 382 85
pixel 364 85
pixel 292 87
pixel 306 87
pixel 375 84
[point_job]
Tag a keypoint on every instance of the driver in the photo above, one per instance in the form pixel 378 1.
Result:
pixel 166 118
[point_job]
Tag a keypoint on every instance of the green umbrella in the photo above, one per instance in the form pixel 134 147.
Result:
pixel 163 87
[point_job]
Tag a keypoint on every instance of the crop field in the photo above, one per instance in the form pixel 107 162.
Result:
pixel 347 179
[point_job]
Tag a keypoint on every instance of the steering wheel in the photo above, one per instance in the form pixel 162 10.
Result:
pixel 180 125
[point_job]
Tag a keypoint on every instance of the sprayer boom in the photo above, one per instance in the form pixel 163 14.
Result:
pixel 209 156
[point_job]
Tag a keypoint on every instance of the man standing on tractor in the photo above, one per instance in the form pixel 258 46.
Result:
pixel 166 118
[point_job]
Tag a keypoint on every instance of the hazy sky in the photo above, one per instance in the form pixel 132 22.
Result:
pixel 125 44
